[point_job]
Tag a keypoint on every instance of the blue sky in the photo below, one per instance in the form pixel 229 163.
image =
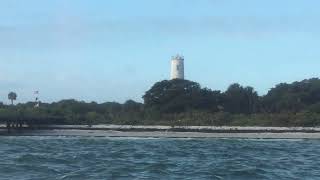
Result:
pixel 115 50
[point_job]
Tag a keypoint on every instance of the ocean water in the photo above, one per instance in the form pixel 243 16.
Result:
pixel 151 158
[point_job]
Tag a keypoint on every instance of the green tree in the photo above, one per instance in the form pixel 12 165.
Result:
pixel 12 96
pixel 91 117
pixel 239 99
pixel 293 97
pixel 172 96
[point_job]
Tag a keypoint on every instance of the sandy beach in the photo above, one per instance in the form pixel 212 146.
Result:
pixel 172 132
pixel 159 134
pixel 204 129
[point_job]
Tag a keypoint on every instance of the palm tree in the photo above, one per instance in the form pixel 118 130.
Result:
pixel 12 96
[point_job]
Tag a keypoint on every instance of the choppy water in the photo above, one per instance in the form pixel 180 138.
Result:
pixel 134 158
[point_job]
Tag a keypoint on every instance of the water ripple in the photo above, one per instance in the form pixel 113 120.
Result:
pixel 152 158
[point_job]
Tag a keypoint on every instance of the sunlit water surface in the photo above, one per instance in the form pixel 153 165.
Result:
pixel 150 158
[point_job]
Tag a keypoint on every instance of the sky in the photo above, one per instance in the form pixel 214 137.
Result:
pixel 115 50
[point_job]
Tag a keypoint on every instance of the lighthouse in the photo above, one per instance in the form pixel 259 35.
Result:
pixel 177 67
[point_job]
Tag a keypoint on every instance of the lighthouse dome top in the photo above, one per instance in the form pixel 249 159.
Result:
pixel 178 57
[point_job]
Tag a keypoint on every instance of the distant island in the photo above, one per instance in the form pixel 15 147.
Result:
pixel 181 102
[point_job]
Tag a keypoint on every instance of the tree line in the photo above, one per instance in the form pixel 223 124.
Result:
pixel 181 95
pixel 182 102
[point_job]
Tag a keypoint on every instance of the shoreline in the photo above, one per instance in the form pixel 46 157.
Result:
pixel 169 132
pixel 158 134
pixel 203 129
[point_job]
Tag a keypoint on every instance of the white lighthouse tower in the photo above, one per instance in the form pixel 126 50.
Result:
pixel 177 67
